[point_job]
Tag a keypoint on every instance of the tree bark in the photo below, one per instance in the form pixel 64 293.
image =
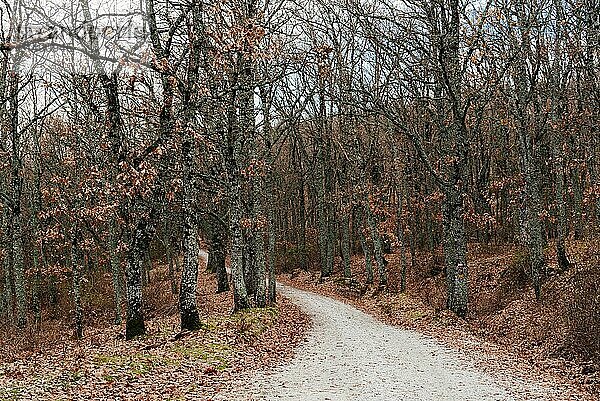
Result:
pixel 368 256
pixel 561 212
pixel 455 251
pixel 75 261
pixel 8 291
pixel 17 189
pixel 170 261
pixel 272 288
pixel 346 245
pixel 190 319
pixel 216 259
pixel 558 146
pixel 322 212
pixel 377 246
pixel 240 295
pixel 115 270
pixel 400 235
pixel 454 162
pixel 135 258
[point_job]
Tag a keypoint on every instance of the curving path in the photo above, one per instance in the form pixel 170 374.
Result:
pixel 349 355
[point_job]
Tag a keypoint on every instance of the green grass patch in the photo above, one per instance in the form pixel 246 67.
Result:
pixel 255 321
pixel 109 378
pixel 417 315
pixel 137 365
pixel 102 359
pixel 11 393
pixel 212 324
pixel 215 354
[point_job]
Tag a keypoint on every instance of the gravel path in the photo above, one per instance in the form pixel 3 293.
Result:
pixel 349 355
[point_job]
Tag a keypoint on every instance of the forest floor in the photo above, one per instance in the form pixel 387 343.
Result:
pixel 507 333
pixel 406 345
pixel 157 366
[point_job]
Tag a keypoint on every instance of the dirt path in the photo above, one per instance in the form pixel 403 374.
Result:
pixel 349 355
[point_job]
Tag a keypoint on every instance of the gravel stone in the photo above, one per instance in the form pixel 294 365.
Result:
pixel 349 355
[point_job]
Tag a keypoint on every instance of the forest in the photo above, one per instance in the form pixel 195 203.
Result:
pixel 156 154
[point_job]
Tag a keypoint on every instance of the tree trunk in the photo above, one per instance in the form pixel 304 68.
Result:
pixel 38 240
pixel 222 276
pixel 346 245
pixel 37 296
pixel 377 246
pixel 528 154
pixel 321 182
pixel 561 212
pixel 259 228
pixel 216 258
pixel 260 296
pixel 259 232
pixel 17 188
pixel 400 235
pixel 533 221
pixel 240 295
pixel 211 262
pixel 322 216
pixel 329 209
pixel 455 253
pixel 272 289
pixel 454 150
pixel 249 264
pixel 8 293
pixel 190 319
pixel 368 256
pixel 302 217
pixel 270 194
pixel 595 176
pixel 75 261
pixel 171 265
pixel 135 259
pixel 577 202
pixel 115 270
pixel 19 270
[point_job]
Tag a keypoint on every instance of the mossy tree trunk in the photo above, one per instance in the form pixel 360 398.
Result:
pixel 380 261
pixel 75 261
pixel 16 163
pixel 135 325
pixel 366 247
pixel 115 269
pixel 524 95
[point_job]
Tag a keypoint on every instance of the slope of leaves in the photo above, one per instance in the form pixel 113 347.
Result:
pixel 159 365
